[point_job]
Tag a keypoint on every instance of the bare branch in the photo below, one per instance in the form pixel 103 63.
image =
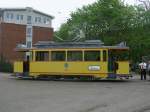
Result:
pixel 146 3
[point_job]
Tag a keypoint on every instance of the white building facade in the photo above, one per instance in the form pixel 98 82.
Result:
pixel 20 16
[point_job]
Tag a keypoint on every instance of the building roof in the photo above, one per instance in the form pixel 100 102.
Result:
pixel 24 9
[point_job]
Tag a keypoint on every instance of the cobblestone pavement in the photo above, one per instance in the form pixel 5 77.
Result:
pixel 74 96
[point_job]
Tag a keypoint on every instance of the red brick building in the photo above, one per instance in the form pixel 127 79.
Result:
pixel 14 29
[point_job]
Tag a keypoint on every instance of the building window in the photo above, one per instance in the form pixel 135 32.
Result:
pixel 29 44
pixel 17 17
pixel 39 19
pixel 7 15
pixel 44 20
pixel 48 21
pixel 21 17
pixel 29 19
pixel 36 19
pixel 29 32
pixel 11 15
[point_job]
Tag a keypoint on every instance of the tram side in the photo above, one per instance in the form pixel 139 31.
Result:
pixel 79 63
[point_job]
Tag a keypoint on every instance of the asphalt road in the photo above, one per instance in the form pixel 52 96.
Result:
pixel 73 96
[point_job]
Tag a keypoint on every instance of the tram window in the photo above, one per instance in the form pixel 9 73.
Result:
pixel 119 55
pixel 92 56
pixel 123 56
pixel 42 56
pixel 58 55
pixel 104 55
pixel 74 56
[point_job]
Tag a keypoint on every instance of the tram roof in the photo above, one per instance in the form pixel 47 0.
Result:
pixel 79 45
pixel 74 45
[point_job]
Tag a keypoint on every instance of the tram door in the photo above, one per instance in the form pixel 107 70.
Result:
pixel 26 65
pixel 112 62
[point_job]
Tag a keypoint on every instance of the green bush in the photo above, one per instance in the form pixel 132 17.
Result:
pixel 5 66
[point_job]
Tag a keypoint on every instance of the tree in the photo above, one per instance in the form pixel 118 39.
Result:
pixel 97 19
pixel 112 22
pixel 145 3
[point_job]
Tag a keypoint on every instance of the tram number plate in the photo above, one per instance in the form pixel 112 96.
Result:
pixel 94 68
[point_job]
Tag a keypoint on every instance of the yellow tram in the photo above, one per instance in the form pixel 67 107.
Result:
pixel 90 60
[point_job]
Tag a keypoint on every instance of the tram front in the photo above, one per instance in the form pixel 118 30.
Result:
pixel 118 63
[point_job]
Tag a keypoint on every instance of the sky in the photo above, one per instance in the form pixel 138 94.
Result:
pixel 60 9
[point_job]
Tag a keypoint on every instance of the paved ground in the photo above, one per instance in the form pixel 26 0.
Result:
pixel 73 96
